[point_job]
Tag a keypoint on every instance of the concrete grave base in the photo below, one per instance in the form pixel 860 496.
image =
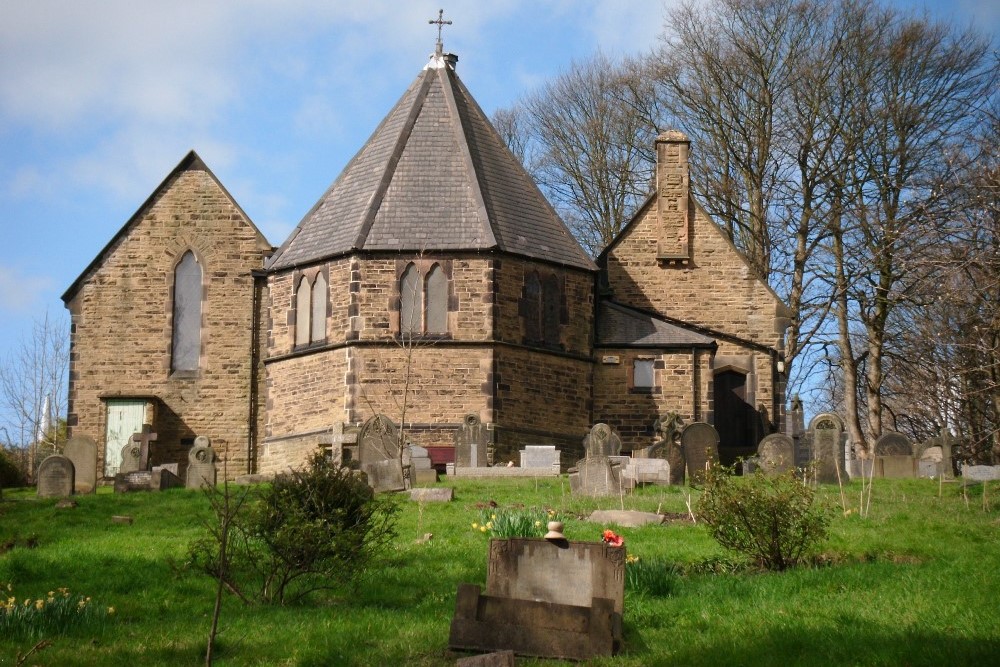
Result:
pixel 438 494
pixel 625 518
pixel 499 471
pixel 530 627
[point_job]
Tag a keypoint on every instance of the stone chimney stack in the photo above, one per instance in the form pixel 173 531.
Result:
pixel 672 196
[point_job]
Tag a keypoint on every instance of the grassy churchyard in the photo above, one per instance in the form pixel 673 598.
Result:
pixel 916 582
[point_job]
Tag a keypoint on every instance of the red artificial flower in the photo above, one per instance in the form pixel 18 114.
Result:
pixel 611 539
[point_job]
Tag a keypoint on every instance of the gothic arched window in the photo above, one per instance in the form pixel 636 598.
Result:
pixel 186 339
pixel 532 308
pixel 551 305
pixel 411 301
pixel 319 299
pixel 302 312
pixel 437 301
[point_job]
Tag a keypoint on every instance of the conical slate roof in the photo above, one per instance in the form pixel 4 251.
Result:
pixel 434 176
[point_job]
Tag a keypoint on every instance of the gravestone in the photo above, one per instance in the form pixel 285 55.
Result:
pixel 55 477
pixel 419 462
pixel 145 440
pixel 597 477
pixel 82 451
pixel 201 472
pixel 378 440
pixel 776 454
pixel 947 441
pixel 893 444
pixel 894 456
pixel 647 471
pixel 700 442
pixel 625 518
pixel 539 456
pixel 438 494
pixel 602 441
pixel 385 475
pixel 472 443
pixel 549 598
pixel 980 473
pixel 795 428
pixel 130 458
pixel 826 431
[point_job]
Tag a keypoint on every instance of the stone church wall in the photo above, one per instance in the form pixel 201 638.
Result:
pixel 682 383
pixel 122 318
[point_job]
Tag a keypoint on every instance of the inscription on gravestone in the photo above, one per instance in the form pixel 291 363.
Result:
pixel 55 477
pixel 596 476
pixel 82 451
pixel 700 442
pixel 539 456
pixel 776 454
pixel 130 458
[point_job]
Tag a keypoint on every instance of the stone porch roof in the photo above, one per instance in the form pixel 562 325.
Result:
pixel 620 326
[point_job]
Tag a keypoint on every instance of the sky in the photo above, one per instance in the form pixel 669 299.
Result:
pixel 100 99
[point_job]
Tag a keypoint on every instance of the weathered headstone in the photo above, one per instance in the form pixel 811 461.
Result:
pixel 55 477
pixel 82 451
pixel 130 458
pixel 826 430
pixel 625 518
pixel 947 441
pixel 378 440
pixel 648 471
pixel 162 478
pixel 701 448
pixel 602 441
pixel 201 472
pixel 891 443
pixel 385 475
pixel 596 476
pixel 539 456
pixel 776 454
pixel 894 456
pixel 471 443
pixel 420 467
pixel 980 473
pixel 556 599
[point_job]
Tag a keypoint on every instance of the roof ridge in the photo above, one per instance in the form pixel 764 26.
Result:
pixel 490 235
pixel 390 168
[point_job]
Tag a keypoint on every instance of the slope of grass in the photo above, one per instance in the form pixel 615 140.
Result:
pixel 915 583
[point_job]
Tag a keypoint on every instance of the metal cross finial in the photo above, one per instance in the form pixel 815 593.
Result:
pixel 439 47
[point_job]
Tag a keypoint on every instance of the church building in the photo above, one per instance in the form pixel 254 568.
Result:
pixel 431 281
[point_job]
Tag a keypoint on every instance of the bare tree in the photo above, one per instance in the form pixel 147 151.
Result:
pixel 589 150
pixel 33 390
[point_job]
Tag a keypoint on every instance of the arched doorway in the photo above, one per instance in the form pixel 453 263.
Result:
pixel 737 422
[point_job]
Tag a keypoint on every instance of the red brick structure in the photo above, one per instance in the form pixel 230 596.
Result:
pixel 432 280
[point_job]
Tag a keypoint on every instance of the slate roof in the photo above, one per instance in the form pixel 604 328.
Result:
pixel 620 326
pixel 434 176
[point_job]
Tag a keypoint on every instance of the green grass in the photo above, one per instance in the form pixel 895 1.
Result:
pixel 915 583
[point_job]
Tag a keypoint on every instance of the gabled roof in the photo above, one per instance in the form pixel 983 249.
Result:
pixel 434 176
pixel 621 326
pixel 191 162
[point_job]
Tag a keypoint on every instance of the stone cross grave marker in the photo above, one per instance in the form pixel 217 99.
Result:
pixel 82 451
pixel 602 441
pixel 55 477
pixel 144 438
pixel 701 447
pixel 776 454
pixel 827 448
pixel 201 472
pixel 471 443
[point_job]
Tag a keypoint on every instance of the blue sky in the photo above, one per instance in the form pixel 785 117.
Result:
pixel 99 100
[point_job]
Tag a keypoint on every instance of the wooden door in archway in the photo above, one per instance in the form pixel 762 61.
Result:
pixel 736 420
